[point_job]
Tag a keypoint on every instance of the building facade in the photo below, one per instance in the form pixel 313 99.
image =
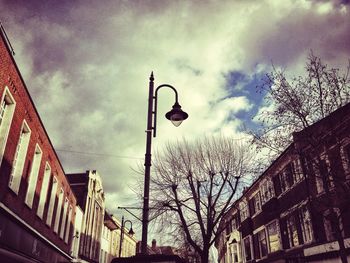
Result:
pixel 109 241
pixel 90 197
pixel 37 205
pixel 298 209
pixel 79 216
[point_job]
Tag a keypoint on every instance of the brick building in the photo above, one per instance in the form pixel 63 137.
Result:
pixel 37 205
pixel 296 209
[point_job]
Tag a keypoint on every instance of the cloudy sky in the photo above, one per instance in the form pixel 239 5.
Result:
pixel 87 65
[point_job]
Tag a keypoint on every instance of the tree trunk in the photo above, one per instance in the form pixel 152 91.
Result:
pixel 205 255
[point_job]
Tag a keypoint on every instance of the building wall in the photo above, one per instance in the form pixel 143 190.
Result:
pixel 77 233
pixel 22 169
pixel 128 246
pixel 106 240
pixel 93 221
pixel 284 216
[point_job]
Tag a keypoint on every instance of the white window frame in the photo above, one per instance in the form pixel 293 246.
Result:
pixel 64 218
pixel 6 120
pixel 33 176
pixel 297 171
pixel 19 158
pixel 59 210
pixel 257 203
pixel 266 191
pixel 292 223
pixel 306 224
pixel 244 210
pixel 255 232
pixel 44 190
pixel 278 234
pixel 251 248
pixel 68 224
pixel 52 201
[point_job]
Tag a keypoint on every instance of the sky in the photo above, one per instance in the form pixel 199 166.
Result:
pixel 87 65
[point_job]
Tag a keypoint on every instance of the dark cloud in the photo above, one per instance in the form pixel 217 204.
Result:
pixel 282 39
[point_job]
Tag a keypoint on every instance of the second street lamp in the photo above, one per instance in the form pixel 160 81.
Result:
pixel 176 116
pixel 131 232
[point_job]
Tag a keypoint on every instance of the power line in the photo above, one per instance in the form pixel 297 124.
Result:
pixel 99 154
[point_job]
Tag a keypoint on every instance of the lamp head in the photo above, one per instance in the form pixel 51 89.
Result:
pixel 131 232
pixel 176 115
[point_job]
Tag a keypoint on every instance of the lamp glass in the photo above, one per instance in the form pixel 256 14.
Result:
pixel 176 115
pixel 176 123
pixel 131 232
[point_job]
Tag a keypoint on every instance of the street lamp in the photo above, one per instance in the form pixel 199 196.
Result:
pixel 176 116
pixel 131 232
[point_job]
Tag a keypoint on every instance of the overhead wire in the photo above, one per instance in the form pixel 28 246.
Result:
pixel 99 154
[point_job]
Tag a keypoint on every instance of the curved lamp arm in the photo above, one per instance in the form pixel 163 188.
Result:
pixel 176 115
pixel 131 232
pixel 156 103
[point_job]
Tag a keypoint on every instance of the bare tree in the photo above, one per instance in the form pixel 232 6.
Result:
pixel 194 185
pixel 297 103
pixel 294 106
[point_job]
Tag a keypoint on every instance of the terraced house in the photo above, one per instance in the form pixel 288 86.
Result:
pixel 37 205
pixel 298 210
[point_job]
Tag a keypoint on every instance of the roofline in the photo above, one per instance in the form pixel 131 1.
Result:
pixel 324 119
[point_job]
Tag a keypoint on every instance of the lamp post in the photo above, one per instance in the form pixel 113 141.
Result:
pixel 131 232
pixel 176 116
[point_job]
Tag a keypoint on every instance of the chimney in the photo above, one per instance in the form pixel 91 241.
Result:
pixel 154 244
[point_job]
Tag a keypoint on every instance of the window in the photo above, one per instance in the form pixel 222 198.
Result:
pixel 306 226
pixel 345 157
pixel 59 210
pixel 33 177
pixel 292 231
pixel 274 237
pixel 244 210
pixel 277 184
pixel 261 244
pixel 68 224
pixel 296 170
pixel 234 252
pixel 64 218
pixel 286 178
pixel 52 201
pixel 318 175
pixel 44 190
pixel 20 157
pixel 247 248
pixel 330 223
pixel 7 109
pixel 256 203
pixel 235 222
pixel 266 191
pixel 322 170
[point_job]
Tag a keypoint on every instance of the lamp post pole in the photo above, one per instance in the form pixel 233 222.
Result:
pixel 131 232
pixel 176 115
pixel 145 212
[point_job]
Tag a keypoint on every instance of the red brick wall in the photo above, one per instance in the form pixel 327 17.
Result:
pixel 25 109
